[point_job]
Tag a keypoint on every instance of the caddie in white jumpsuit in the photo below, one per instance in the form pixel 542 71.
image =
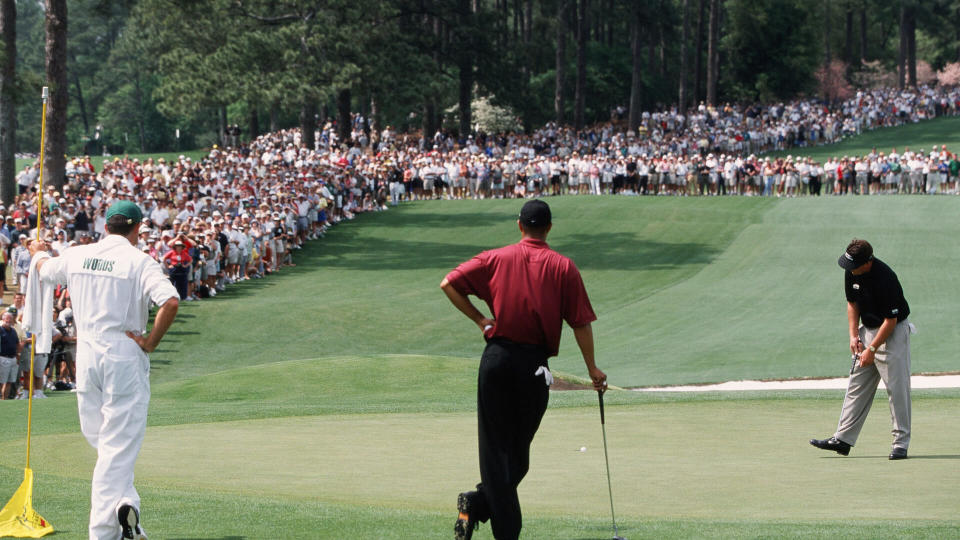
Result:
pixel 112 285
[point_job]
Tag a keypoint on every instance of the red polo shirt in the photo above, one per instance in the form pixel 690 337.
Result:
pixel 530 290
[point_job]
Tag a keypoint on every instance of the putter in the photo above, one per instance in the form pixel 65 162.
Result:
pixel 856 359
pixel 606 457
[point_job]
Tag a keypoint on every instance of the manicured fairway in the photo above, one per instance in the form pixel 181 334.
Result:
pixel 336 399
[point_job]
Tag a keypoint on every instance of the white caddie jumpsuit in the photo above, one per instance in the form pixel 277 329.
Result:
pixel 112 285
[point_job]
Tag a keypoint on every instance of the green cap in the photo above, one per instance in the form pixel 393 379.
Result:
pixel 126 209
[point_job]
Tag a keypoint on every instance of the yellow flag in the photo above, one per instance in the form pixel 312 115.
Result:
pixel 18 518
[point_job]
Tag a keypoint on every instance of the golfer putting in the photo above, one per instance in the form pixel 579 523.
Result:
pixel 880 347
pixel 530 290
pixel 112 284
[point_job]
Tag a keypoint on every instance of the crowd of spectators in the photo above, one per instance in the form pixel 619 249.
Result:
pixel 707 150
pixel 241 212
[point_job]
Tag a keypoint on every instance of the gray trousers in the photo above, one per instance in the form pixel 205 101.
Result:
pixel 892 364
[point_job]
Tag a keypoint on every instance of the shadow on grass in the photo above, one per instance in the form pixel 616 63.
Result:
pixel 440 221
pixel 614 251
pixel 884 456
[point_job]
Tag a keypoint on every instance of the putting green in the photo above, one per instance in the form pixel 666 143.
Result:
pixel 733 460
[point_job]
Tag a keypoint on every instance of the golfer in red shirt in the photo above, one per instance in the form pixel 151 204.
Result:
pixel 530 290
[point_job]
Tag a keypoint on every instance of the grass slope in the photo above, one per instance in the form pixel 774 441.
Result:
pixel 686 289
pixel 337 398
pixel 919 136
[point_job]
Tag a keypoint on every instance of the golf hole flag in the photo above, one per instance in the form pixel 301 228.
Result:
pixel 18 518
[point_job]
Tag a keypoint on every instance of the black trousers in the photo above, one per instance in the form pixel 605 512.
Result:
pixel 511 400
pixel 178 276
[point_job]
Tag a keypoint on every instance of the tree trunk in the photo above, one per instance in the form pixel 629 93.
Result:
pixel 528 22
pixel 579 94
pixel 912 46
pixel 956 17
pixel 684 37
pixel 561 62
pixel 713 53
pixel 141 129
pixel 863 34
pixel 56 67
pixel 902 53
pixel 343 116
pixel 698 57
pixel 651 49
pixel 465 95
pixel 610 8
pixel 465 65
pixel 517 15
pixel 222 125
pixel 635 79
pixel 848 49
pixel 662 49
pixel 375 116
pixel 827 24
pixel 274 116
pixel 254 123
pixel 429 118
pixel 8 110
pixel 308 124
pixel 81 104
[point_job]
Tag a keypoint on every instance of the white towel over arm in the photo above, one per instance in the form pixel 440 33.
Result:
pixel 38 307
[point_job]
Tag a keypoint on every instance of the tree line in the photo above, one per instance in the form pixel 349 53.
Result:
pixel 160 75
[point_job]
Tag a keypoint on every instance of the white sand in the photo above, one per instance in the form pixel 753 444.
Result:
pixel 917 381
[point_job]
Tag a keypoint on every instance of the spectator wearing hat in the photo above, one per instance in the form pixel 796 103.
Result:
pixel 21 262
pixel 59 243
pixel 177 261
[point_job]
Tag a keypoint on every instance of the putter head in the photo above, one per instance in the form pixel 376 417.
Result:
pixel 619 538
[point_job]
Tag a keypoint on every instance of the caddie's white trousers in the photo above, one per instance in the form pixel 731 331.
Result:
pixel 113 392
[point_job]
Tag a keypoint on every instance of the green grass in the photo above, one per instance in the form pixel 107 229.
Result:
pixel 686 289
pixel 337 399
pixel 920 136
pixel 729 467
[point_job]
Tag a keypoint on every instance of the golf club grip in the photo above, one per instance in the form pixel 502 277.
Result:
pixel 600 395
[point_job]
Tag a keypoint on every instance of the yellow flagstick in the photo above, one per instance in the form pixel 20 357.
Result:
pixel 18 518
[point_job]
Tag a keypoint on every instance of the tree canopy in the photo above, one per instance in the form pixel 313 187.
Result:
pixel 139 72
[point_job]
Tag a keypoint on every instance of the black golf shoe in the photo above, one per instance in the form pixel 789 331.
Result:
pixel 898 453
pixel 129 519
pixel 466 520
pixel 832 443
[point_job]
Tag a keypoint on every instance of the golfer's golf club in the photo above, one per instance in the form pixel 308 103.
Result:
pixel 856 359
pixel 606 457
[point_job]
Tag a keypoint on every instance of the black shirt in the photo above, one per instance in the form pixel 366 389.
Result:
pixel 9 341
pixel 877 294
